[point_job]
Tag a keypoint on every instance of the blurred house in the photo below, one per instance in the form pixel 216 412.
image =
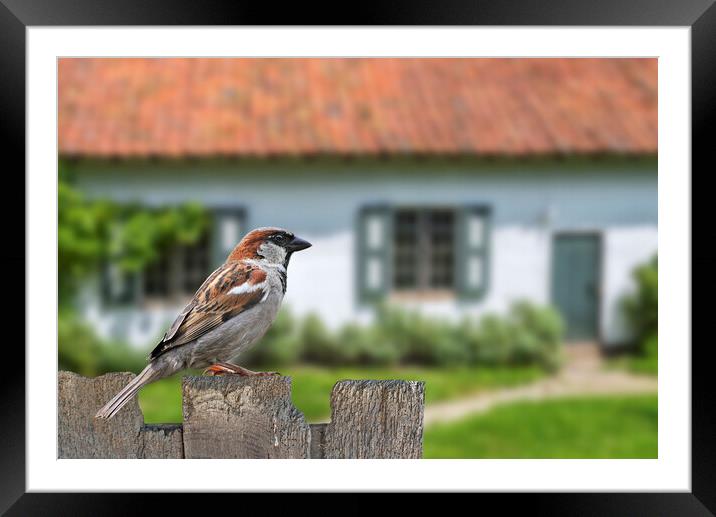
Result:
pixel 454 185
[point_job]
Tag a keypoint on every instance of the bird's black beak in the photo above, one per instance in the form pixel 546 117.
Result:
pixel 297 244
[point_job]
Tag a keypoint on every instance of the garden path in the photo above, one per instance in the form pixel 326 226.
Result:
pixel 582 374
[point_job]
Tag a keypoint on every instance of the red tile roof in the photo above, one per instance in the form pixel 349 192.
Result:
pixel 261 107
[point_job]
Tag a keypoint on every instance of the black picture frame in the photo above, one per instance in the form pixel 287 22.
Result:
pixel 16 15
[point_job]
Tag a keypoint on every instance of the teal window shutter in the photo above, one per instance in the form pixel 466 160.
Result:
pixel 228 228
pixel 473 252
pixel 374 252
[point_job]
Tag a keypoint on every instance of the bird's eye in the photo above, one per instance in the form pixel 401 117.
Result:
pixel 280 238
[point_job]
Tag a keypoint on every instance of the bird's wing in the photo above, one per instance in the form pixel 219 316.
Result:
pixel 230 290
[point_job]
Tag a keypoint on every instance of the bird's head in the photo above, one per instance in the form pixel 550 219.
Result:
pixel 272 245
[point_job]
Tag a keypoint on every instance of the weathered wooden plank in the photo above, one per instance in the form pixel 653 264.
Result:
pixel 375 419
pixel 162 441
pixel 318 435
pixel 80 435
pixel 242 417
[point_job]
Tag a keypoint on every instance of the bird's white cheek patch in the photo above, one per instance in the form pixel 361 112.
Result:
pixel 272 254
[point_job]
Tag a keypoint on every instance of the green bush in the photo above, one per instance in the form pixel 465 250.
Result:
pixel 648 361
pixel 77 346
pixel 117 356
pixel 351 344
pixel 418 339
pixel 318 344
pixel 642 307
pixel 80 350
pixel 528 334
pixel 537 335
pixel 396 327
pixel 489 339
pixel 651 346
pixel 365 345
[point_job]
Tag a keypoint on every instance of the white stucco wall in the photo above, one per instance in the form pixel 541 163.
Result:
pixel 519 269
pixel 321 204
pixel 624 249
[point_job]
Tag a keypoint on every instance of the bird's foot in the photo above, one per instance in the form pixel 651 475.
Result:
pixel 222 368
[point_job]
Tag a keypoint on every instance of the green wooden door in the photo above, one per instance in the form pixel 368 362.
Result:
pixel 575 283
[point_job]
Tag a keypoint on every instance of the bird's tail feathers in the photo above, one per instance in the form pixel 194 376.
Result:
pixel 149 374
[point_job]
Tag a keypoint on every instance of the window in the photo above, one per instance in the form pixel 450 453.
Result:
pixel 228 229
pixel 156 278
pixel 423 249
pixel 179 272
pixel 196 265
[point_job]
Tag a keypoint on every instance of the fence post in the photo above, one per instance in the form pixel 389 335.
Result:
pixel 80 435
pixel 242 417
pixel 376 419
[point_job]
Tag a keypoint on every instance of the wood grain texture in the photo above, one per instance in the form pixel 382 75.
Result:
pixel 242 417
pixel 318 437
pixel 375 419
pixel 80 435
pixel 162 441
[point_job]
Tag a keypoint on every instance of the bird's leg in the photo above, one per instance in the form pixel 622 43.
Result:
pixel 222 368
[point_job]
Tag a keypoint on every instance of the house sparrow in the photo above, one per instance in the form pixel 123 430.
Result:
pixel 232 309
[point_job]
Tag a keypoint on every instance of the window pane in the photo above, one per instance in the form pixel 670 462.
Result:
pixel 405 249
pixel 476 230
pixel 374 232
pixel 179 271
pixel 195 267
pixel 373 274
pixel 474 272
pixel 229 226
pixel 156 278
pixel 441 226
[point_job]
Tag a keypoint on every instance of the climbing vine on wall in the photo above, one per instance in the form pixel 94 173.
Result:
pixel 95 231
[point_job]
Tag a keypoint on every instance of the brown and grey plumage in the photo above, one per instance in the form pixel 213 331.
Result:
pixel 231 311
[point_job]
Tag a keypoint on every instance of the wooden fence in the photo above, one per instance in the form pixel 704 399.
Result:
pixel 243 417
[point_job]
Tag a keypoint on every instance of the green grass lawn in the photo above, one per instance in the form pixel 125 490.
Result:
pixel 161 401
pixel 645 365
pixel 584 427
